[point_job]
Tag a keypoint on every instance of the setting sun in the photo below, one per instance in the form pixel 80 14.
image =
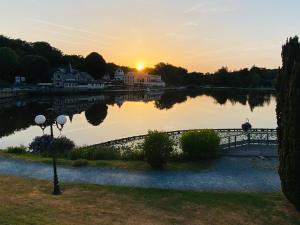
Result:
pixel 140 66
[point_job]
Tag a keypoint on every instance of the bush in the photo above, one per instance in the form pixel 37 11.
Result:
pixel 41 145
pixel 95 153
pixel 63 145
pixel 45 145
pixel 17 150
pixel 80 162
pixel 198 145
pixel 132 154
pixel 157 148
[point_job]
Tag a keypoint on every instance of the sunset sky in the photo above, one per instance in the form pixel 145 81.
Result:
pixel 201 35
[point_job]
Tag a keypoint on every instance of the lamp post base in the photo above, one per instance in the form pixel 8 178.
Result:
pixel 57 192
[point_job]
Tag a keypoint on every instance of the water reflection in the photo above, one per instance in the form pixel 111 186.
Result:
pixel 18 115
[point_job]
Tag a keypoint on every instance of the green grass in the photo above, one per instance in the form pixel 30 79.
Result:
pixel 28 201
pixel 117 164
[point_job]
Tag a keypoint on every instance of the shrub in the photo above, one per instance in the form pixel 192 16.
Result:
pixel 157 148
pixel 63 145
pixel 80 162
pixel 41 144
pixel 45 145
pixel 128 153
pixel 17 150
pixel 95 153
pixel 198 145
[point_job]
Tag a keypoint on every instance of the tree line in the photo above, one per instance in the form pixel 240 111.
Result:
pixel 38 60
pixel 254 77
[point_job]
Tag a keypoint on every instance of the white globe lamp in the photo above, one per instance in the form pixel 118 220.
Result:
pixel 40 119
pixel 61 120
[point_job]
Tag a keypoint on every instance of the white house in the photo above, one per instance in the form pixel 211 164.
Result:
pixel 70 78
pixel 143 79
pixel 119 75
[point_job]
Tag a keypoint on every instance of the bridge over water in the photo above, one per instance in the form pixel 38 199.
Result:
pixel 230 139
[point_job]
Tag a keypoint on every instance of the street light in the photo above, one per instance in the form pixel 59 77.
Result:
pixel 59 122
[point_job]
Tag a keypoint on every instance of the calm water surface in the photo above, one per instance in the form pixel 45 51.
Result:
pixel 94 119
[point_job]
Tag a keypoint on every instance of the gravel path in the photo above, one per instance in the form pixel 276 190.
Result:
pixel 249 174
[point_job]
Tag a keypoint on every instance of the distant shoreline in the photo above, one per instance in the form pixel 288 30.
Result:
pixel 12 93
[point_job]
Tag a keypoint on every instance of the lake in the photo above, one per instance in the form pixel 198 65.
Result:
pixel 95 119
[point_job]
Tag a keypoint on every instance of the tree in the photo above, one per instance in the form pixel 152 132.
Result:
pixel 77 61
pixel 288 115
pixel 170 74
pixel 35 68
pixel 95 65
pixel 53 55
pixel 8 64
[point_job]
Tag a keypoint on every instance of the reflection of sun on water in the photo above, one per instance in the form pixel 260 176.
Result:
pixel 140 66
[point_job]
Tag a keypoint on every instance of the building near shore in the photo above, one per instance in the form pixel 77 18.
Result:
pixel 71 78
pixel 143 79
pixel 119 75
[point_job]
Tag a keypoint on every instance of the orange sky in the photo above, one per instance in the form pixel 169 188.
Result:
pixel 200 35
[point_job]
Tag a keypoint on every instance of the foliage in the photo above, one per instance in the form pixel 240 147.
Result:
pixel 41 144
pixel 80 162
pixel 63 145
pixel 198 145
pixel 53 55
pixel 172 75
pixel 17 150
pixel 35 68
pixel 8 64
pixel 131 154
pixel 77 61
pixel 46 145
pixel 95 65
pixel 288 115
pixel 95 153
pixel 157 148
pixel 254 78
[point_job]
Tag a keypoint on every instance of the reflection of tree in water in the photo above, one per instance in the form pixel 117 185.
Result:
pixel 255 99
pixel 223 96
pixel 96 114
pixel 169 99
pixel 16 118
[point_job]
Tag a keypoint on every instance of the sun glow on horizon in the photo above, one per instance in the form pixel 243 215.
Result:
pixel 140 66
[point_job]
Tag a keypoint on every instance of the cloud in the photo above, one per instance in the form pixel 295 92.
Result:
pixel 70 36
pixel 179 36
pixel 70 28
pixel 208 7
pixel 191 24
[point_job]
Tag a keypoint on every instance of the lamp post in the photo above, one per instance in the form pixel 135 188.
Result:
pixel 59 122
pixel 247 128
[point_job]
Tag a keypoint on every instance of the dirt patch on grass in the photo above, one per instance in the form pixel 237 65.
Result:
pixel 26 201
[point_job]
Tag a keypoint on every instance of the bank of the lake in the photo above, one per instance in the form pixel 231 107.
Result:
pixel 131 165
pixel 223 174
pixel 28 201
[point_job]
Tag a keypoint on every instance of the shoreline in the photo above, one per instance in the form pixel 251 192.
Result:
pixel 12 94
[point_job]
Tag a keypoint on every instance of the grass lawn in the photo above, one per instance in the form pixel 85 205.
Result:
pixel 27 201
pixel 117 164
